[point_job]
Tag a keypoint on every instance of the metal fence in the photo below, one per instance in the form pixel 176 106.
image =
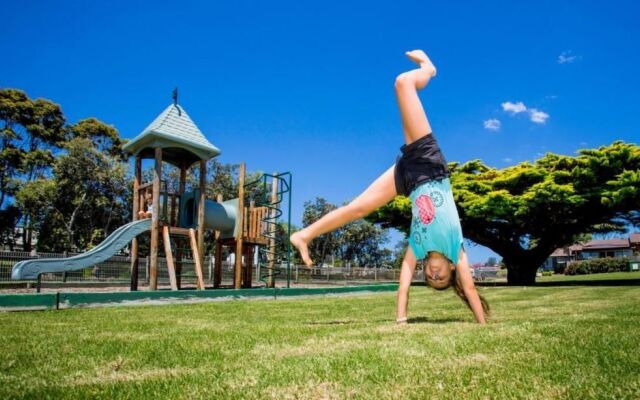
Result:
pixel 300 274
pixel 117 271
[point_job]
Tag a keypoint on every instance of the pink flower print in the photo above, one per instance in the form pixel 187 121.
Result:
pixel 426 210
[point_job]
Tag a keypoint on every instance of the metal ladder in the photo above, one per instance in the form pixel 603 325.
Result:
pixel 275 258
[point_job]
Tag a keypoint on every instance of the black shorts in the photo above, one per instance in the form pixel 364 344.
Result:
pixel 421 161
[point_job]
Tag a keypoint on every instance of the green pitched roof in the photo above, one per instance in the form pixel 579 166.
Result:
pixel 173 131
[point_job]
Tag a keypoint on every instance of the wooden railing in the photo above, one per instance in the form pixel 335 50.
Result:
pixel 254 228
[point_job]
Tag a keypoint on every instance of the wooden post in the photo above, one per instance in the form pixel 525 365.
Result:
pixel 201 207
pixel 272 231
pixel 196 258
pixel 169 254
pixel 238 266
pixel 183 180
pixel 251 223
pixel 135 263
pixel 142 203
pixel 217 267
pixel 155 220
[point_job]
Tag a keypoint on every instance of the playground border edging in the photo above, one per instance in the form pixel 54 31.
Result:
pixel 62 300
pixel 25 302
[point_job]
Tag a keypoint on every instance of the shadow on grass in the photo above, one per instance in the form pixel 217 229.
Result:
pixel 603 282
pixel 346 322
pixel 415 320
pixel 426 320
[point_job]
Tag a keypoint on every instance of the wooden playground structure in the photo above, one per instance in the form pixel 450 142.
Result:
pixel 175 139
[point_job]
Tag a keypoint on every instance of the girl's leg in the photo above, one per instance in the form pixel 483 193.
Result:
pixel 414 119
pixel 406 276
pixel 415 125
pixel 379 193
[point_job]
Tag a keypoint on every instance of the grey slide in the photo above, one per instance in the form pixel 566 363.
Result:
pixel 30 269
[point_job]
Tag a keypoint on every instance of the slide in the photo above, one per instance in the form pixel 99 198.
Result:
pixel 30 269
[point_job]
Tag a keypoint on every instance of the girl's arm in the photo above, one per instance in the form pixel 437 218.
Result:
pixel 465 281
pixel 406 276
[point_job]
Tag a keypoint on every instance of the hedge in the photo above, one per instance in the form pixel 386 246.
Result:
pixel 597 265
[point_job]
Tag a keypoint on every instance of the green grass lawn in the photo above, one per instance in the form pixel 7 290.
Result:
pixel 549 342
pixel 590 277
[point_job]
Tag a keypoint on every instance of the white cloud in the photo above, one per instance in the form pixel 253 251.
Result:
pixel 507 160
pixel 567 57
pixel 492 124
pixel 537 116
pixel 514 108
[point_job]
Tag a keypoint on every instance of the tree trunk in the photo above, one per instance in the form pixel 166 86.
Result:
pixel 26 240
pixel 521 276
pixel 522 268
pixel 72 220
pixel 106 227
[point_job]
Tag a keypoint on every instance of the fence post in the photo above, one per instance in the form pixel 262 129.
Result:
pixel 296 274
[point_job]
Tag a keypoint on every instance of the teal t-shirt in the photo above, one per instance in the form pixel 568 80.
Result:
pixel 435 224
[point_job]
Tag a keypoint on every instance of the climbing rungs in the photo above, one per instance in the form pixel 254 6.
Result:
pixel 174 230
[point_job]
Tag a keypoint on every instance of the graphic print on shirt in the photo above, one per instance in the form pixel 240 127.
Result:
pixel 417 238
pixel 437 198
pixel 426 210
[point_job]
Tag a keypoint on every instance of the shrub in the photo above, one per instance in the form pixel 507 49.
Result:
pixel 597 265
pixel 547 273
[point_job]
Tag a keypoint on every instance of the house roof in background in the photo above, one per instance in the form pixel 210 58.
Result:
pixel 606 244
pixel 602 244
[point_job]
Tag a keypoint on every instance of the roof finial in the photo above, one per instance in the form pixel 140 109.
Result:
pixel 175 99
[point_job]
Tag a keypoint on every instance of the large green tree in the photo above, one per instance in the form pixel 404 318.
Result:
pixel 87 196
pixel 526 211
pixel 31 131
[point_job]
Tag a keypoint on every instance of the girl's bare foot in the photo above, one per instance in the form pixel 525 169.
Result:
pixel 419 57
pixel 300 243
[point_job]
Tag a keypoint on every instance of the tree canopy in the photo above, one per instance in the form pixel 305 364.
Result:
pixel 66 182
pixel 524 212
pixel 30 132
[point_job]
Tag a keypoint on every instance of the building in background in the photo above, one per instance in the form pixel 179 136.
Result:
pixel 603 248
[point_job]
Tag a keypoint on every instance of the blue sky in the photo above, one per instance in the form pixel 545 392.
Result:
pixel 308 87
